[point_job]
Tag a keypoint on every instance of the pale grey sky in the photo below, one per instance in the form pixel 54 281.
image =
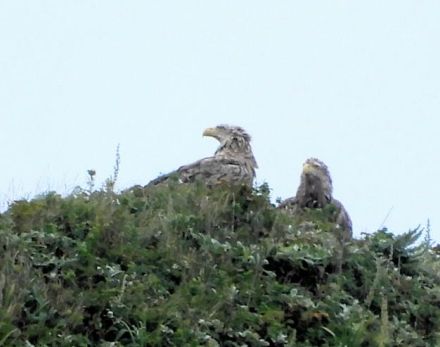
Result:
pixel 354 83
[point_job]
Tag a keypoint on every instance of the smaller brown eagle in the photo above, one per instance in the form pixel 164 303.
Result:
pixel 316 191
pixel 232 163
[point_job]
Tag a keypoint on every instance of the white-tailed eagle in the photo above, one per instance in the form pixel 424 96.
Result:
pixel 316 191
pixel 232 163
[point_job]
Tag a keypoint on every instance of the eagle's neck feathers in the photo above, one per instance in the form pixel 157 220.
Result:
pixel 237 148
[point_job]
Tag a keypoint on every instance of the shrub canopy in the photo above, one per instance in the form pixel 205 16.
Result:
pixel 184 265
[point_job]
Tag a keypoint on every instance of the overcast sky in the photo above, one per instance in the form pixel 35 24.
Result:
pixel 354 83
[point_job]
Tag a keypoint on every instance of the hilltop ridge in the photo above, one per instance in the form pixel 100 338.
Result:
pixel 184 265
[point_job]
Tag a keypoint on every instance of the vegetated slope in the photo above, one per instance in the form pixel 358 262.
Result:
pixel 183 265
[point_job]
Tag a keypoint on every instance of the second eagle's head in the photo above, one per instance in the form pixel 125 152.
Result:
pixel 316 176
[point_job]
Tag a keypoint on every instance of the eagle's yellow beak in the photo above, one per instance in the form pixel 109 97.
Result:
pixel 307 168
pixel 210 132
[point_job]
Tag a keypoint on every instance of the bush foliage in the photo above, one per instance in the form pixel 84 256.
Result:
pixel 183 265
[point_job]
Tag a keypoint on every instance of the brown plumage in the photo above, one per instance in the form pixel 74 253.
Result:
pixel 232 163
pixel 316 191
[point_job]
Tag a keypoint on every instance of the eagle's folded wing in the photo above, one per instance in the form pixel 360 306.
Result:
pixel 343 219
pixel 288 203
pixel 211 170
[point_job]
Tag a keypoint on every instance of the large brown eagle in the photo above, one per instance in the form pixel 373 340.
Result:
pixel 232 163
pixel 316 191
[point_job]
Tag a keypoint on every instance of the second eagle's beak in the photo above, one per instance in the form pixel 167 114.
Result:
pixel 210 132
pixel 307 168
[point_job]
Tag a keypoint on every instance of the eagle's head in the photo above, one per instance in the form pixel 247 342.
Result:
pixel 234 143
pixel 315 167
pixel 224 133
pixel 316 186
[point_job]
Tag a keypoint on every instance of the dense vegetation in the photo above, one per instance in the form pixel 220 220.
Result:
pixel 183 265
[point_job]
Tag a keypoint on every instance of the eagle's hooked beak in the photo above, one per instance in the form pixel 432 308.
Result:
pixel 210 132
pixel 307 168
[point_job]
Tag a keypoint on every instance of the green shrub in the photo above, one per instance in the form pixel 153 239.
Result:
pixel 184 265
